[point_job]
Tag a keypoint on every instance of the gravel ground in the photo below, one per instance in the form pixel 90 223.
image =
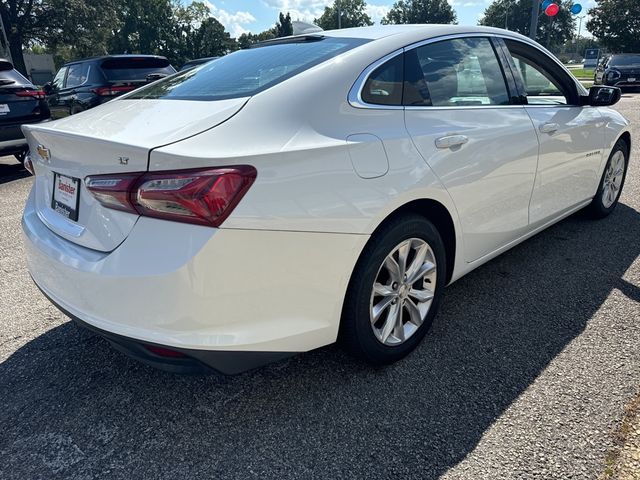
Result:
pixel 525 375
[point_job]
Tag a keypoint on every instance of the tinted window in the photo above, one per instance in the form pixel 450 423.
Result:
pixel 9 76
pixel 457 72
pixel 540 86
pixel 384 85
pixel 247 72
pixel 620 60
pixel 135 68
pixel 58 80
pixel 77 75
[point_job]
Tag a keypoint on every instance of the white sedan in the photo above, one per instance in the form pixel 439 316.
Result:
pixel 318 187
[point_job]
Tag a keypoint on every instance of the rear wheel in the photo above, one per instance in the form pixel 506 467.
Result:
pixel 612 181
pixel 20 156
pixel 395 291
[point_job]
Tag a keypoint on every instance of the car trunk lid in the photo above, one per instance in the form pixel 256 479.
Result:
pixel 116 137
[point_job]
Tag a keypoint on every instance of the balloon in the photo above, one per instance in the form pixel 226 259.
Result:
pixel 552 10
pixel 576 9
pixel 545 4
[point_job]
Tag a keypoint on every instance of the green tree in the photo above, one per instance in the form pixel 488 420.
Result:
pixel 247 39
pixel 284 26
pixel 616 23
pixel 553 32
pixel 421 11
pixel 352 14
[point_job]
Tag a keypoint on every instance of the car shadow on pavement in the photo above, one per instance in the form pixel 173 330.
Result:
pixel 12 171
pixel 72 407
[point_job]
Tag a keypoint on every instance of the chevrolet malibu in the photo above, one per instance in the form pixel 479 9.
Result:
pixel 318 187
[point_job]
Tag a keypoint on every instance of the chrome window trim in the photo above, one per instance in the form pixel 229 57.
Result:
pixel 355 94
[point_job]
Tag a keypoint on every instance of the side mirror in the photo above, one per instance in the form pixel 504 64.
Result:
pixel 47 88
pixel 602 96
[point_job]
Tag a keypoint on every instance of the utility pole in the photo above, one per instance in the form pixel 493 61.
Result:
pixel 506 15
pixel 6 49
pixel 339 14
pixel 535 10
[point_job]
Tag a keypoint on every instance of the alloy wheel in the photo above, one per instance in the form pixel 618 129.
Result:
pixel 403 291
pixel 613 179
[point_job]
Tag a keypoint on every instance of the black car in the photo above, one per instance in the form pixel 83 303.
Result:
pixel 88 83
pixel 21 102
pixel 195 62
pixel 619 70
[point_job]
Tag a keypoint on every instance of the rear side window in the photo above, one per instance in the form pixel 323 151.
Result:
pixel 135 68
pixel 458 72
pixel 247 72
pixel 9 76
pixel 384 85
pixel 78 74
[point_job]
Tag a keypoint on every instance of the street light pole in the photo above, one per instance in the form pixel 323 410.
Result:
pixel 506 15
pixel 579 29
pixel 339 14
pixel 535 9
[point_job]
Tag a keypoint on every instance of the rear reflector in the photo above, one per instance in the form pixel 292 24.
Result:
pixel 202 196
pixel 164 352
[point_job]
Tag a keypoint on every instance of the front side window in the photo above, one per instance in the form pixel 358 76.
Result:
pixel 248 72
pixel 541 88
pixel 58 81
pixel 458 72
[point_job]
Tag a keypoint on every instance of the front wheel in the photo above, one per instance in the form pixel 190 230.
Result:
pixel 612 181
pixel 395 291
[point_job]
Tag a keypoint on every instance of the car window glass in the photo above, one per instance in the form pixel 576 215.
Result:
pixel 541 88
pixel 458 72
pixel 77 75
pixel 59 78
pixel 384 85
pixel 10 76
pixel 247 72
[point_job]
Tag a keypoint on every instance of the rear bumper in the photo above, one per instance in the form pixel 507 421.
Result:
pixel 209 293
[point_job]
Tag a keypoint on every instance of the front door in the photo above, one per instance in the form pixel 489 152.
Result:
pixel 570 135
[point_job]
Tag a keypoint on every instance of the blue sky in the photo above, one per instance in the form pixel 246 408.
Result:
pixel 240 16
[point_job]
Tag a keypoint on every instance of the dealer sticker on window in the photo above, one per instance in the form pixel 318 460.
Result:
pixel 66 196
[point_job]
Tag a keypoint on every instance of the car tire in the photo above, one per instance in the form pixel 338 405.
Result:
pixel 364 321
pixel 612 181
pixel 20 156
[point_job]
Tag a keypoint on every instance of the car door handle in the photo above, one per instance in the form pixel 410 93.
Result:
pixel 549 127
pixel 451 141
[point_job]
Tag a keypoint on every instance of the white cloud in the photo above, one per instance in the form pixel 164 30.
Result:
pixel 377 12
pixel 303 10
pixel 234 22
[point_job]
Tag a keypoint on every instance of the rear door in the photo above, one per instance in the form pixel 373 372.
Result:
pixel 571 135
pixel 467 125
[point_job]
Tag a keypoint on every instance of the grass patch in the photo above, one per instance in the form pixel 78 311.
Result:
pixel 582 73
pixel 617 462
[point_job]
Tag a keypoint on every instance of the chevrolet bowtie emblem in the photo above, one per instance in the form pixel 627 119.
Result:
pixel 44 153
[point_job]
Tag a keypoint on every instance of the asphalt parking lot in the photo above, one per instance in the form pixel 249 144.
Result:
pixel 524 376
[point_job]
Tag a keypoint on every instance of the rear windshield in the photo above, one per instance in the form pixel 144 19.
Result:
pixel 625 60
pixel 135 68
pixel 247 72
pixel 9 76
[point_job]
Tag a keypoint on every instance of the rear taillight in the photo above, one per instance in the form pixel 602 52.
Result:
pixel 39 94
pixel 203 196
pixel 112 91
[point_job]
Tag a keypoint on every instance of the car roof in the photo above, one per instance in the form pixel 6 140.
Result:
pixel 104 57
pixel 412 31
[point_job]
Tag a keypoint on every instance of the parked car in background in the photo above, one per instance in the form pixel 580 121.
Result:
pixel 313 187
pixel 198 61
pixel 21 102
pixel 619 70
pixel 84 84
